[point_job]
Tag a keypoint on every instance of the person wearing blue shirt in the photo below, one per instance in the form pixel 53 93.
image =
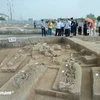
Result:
pixel 58 28
pixel 67 28
pixel 43 28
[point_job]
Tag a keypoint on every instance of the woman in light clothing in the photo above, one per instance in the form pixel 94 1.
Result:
pixel 50 26
pixel 94 29
pixel 91 28
pixel 88 30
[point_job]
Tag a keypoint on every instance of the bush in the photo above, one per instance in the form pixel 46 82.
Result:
pixel 52 21
pixel 47 21
pixel 1 18
pixel 98 18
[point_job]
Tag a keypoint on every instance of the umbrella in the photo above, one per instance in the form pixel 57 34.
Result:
pixel 89 20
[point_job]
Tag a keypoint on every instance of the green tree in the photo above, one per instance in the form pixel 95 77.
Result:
pixel 1 18
pixel 98 18
pixel 92 17
pixel 53 21
pixel 47 21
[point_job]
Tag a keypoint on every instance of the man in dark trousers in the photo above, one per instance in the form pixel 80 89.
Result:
pixel 58 28
pixel 85 28
pixel 72 27
pixel 67 28
pixel 75 28
pixel 80 26
pixel 43 28
pixel 99 27
pixel 34 24
pixel 62 28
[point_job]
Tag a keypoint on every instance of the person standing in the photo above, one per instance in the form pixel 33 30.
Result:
pixel 69 20
pixel 99 27
pixel 85 27
pixel 50 26
pixel 58 28
pixel 43 28
pixel 72 27
pixel 91 28
pixel 62 28
pixel 88 28
pixel 34 24
pixel 67 28
pixel 75 28
pixel 94 29
pixel 80 26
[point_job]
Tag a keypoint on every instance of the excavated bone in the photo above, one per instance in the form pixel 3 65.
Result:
pixel 57 47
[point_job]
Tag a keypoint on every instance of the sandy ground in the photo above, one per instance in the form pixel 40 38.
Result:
pixel 5 76
pixel 50 74
pixel 86 84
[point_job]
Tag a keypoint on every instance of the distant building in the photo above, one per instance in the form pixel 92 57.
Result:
pixel 30 19
pixel 6 17
pixel 92 16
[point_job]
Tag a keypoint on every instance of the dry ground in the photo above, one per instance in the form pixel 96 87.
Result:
pixel 50 75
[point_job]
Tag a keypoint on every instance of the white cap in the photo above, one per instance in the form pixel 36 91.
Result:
pixel 63 71
pixel 97 74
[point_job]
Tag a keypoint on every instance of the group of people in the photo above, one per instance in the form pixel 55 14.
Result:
pixel 62 28
pixel 70 28
pixel 43 27
pixel 88 28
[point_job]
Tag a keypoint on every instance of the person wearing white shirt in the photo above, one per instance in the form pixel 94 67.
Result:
pixel 69 21
pixel 62 27
pixel 67 28
pixel 58 28
pixel 99 27
pixel 80 26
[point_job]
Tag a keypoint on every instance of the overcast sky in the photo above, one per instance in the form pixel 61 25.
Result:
pixel 38 9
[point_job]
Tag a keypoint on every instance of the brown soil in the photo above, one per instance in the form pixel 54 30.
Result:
pixel 86 84
pixel 50 75
pixel 5 76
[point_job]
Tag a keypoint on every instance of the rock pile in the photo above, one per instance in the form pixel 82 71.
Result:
pixel 69 76
pixel 47 50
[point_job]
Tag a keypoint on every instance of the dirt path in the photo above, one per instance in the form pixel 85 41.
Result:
pixel 3 54
pixel 86 84
pixel 44 97
pixel 48 79
pixel 4 77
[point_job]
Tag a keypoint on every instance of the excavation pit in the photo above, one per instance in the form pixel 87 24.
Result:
pixel 39 74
